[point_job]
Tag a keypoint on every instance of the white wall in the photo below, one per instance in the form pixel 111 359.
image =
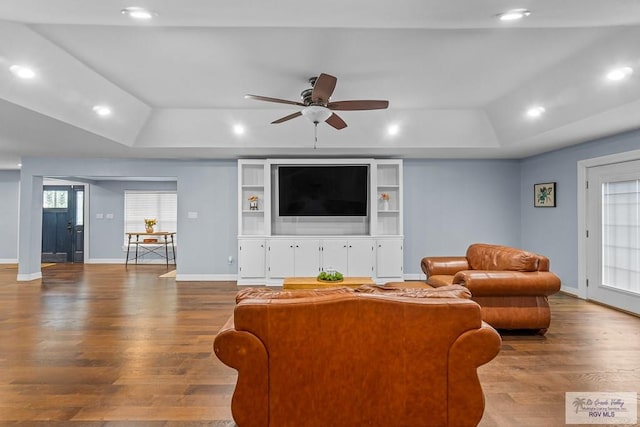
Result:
pixel 9 190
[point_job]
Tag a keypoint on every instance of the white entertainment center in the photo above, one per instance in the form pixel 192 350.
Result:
pixel 272 247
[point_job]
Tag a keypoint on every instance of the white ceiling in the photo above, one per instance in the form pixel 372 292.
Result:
pixel 458 80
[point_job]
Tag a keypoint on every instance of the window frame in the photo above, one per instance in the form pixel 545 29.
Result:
pixel 134 221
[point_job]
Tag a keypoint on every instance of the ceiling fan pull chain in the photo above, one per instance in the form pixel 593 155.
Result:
pixel 315 134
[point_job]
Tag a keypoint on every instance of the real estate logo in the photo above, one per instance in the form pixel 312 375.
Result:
pixel 601 408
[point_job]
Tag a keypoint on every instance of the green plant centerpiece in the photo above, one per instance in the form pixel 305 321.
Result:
pixel 330 276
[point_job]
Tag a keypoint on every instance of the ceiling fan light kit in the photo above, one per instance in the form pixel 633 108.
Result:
pixel 316 113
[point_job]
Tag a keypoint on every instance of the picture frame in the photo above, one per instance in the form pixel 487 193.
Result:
pixel 544 195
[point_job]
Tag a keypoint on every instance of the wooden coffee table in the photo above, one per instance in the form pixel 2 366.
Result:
pixel 313 283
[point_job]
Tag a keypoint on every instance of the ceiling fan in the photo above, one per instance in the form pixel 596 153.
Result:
pixel 317 106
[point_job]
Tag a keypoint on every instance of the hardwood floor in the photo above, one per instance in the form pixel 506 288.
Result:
pixel 98 345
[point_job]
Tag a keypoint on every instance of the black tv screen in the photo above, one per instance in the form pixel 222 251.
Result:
pixel 334 190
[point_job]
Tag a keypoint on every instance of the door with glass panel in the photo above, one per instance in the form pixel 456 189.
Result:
pixel 63 223
pixel 613 242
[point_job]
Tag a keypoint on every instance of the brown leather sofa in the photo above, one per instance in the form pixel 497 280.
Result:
pixel 511 285
pixel 365 357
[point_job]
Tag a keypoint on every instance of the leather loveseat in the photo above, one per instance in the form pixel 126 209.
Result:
pixel 511 285
pixel 343 358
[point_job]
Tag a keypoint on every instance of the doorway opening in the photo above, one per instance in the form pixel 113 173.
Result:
pixel 63 223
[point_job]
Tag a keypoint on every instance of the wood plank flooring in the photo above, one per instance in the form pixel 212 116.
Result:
pixel 98 345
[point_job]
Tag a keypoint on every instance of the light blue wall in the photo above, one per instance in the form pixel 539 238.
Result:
pixel 207 188
pixel 554 231
pixel 9 190
pixel 449 204
pixel 107 198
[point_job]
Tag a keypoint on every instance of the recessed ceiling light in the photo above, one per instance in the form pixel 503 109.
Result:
pixel 619 73
pixel 513 14
pixel 238 129
pixel 102 110
pixel 393 129
pixel 22 71
pixel 19 165
pixel 536 111
pixel 138 13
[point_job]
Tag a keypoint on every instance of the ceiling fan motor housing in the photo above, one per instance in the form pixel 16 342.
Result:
pixel 306 96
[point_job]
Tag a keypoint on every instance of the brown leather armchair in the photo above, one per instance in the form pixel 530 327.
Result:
pixel 511 285
pixel 340 357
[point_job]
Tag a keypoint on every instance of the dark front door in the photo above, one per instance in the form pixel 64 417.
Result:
pixel 63 223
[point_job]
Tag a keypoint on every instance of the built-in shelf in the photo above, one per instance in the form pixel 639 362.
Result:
pixel 252 178
pixel 388 179
pixel 272 247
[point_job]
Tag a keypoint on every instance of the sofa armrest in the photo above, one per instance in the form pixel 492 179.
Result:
pixel 443 265
pixel 508 283
pixel 246 353
pixel 472 349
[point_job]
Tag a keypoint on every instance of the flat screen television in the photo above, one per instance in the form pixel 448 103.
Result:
pixel 323 190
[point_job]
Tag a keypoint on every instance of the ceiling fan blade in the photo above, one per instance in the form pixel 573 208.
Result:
pixel 358 105
pixel 285 118
pixel 323 88
pixel 278 100
pixel 335 121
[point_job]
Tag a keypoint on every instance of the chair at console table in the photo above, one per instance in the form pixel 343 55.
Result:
pixel 167 238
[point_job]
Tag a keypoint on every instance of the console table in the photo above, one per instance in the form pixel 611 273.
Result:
pixel 143 248
pixel 313 283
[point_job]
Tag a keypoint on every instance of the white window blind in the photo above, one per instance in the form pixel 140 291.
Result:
pixel 621 235
pixel 159 205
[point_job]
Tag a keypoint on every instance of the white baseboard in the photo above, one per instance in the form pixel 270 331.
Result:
pixel 415 276
pixel 29 277
pixel 8 261
pixel 104 261
pixel 122 261
pixel 571 291
pixel 206 277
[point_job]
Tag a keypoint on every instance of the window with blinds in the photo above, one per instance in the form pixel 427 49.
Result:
pixel 159 205
pixel 621 235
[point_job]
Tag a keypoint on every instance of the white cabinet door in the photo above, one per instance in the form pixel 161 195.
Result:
pixel 389 258
pixel 281 258
pixel 334 255
pixel 306 257
pixel 350 257
pixel 360 258
pixel 251 258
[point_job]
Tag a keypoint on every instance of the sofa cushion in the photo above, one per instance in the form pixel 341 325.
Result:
pixel 451 291
pixel 262 293
pixel 439 280
pixel 482 256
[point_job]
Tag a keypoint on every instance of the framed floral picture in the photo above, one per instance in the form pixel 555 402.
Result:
pixel 544 195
